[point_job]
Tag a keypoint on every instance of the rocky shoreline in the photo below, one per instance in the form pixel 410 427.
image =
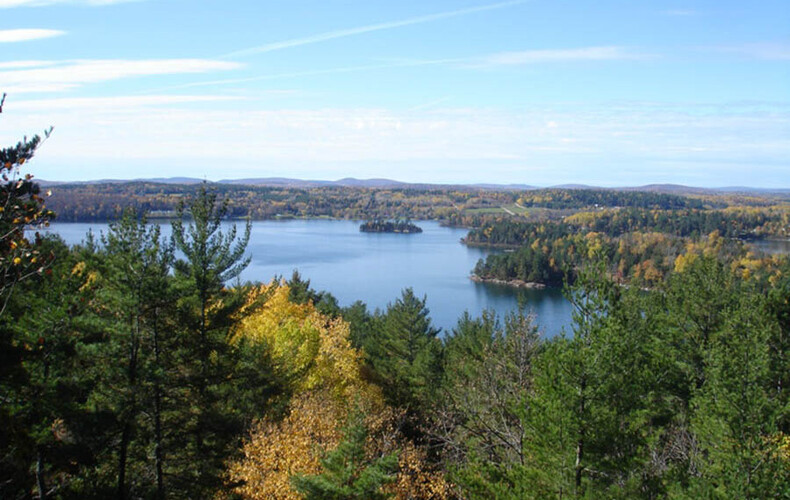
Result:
pixel 513 282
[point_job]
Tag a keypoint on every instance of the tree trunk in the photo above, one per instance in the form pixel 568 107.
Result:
pixel 42 489
pixel 580 441
pixel 127 428
pixel 126 435
pixel 158 452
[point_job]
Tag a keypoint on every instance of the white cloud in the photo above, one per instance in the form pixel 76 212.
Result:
pixel 331 35
pixel 154 130
pixel 24 35
pixel 524 57
pixel 6 4
pixel 49 76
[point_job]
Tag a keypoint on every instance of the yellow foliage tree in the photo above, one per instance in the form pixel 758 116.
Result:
pixel 309 348
pixel 278 450
pixel 316 353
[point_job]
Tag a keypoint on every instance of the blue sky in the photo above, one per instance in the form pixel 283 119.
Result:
pixel 545 92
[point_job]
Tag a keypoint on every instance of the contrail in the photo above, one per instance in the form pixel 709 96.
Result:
pixel 331 35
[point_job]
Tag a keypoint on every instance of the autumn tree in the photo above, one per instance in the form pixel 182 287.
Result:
pixel 21 206
pixel 347 472
pixel 313 352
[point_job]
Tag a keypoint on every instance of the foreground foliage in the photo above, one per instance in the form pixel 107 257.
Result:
pixel 130 368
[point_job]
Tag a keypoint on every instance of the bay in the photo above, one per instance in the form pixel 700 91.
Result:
pixel 375 267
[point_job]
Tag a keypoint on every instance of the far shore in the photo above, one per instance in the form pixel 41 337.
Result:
pixel 515 283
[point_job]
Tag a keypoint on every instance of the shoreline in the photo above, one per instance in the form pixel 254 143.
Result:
pixel 515 283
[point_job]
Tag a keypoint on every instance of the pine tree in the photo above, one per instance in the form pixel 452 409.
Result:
pixel 211 258
pixel 136 292
pixel 348 473
pixel 404 352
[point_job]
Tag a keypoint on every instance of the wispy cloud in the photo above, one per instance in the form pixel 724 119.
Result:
pixel 524 57
pixel 770 51
pixel 25 64
pixel 50 76
pixel 492 60
pixel 6 4
pixel 24 35
pixel 331 35
pixel 298 74
pixel 147 133
pixel 81 104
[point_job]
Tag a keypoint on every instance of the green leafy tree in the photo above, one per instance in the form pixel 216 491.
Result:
pixel 480 419
pixel 737 408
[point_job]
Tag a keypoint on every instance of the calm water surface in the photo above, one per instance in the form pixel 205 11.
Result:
pixel 773 246
pixel 375 267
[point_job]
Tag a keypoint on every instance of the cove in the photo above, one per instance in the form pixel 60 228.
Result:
pixel 375 267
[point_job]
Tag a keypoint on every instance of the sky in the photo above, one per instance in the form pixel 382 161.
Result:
pixel 539 92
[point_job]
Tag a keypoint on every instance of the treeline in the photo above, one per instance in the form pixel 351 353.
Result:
pixel 741 223
pixel 582 198
pixel 454 206
pixel 104 202
pixel 507 233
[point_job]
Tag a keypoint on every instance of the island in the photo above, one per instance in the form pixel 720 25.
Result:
pixel 382 226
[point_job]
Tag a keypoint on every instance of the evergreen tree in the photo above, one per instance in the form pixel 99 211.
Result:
pixel 46 428
pixel 136 292
pixel 404 353
pixel 212 421
pixel 348 473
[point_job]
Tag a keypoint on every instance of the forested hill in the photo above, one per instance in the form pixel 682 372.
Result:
pixel 105 201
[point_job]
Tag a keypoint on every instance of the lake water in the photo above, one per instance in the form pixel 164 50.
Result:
pixel 773 246
pixel 375 267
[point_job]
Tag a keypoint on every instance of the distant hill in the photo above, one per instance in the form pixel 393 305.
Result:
pixel 159 180
pixel 390 184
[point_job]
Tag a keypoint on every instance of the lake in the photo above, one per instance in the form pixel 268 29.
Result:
pixel 374 267
pixel 772 246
